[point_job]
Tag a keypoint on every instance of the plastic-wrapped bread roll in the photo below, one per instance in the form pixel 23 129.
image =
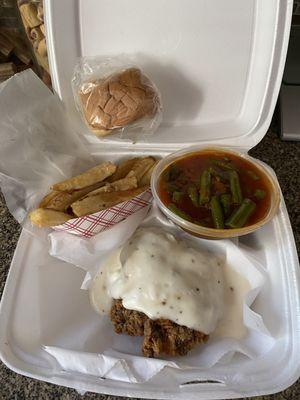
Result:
pixel 40 12
pixel 42 61
pixel 7 70
pixel 36 35
pixel 42 48
pixel 6 45
pixel 29 15
pixel 119 100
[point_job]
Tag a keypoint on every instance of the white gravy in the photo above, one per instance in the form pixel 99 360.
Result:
pixel 161 276
pixel 232 322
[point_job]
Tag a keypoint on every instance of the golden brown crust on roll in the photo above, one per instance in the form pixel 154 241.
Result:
pixel 118 100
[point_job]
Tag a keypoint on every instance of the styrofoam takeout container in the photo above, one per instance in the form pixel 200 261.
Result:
pixel 219 66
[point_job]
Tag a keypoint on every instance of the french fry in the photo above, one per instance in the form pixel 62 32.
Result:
pixel 130 182
pixel 60 201
pixel 146 178
pixel 94 190
pixel 101 201
pixel 104 189
pixel 123 169
pixel 43 217
pixel 88 178
pixel 141 166
pixel 49 198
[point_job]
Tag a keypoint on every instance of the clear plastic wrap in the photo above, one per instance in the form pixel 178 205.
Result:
pixel 113 95
pixel 38 144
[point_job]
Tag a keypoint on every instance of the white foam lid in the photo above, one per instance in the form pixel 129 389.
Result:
pixel 218 65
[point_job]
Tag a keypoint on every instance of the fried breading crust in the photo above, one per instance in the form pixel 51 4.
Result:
pixel 161 336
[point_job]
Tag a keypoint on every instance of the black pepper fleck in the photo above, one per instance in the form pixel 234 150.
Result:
pixel 152 255
pixel 180 312
pixel 218 281
pixel 163 303
pixel 197 289
pixel 178 297
pixel 193 260
pixel 231 288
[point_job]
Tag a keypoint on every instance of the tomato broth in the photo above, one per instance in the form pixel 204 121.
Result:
pixel 195 188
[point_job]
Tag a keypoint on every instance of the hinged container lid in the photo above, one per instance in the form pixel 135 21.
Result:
pixel 218 64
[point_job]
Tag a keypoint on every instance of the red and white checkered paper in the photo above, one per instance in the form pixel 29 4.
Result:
pixel 92 224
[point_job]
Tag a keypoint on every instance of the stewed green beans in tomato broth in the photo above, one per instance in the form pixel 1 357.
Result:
pixel 215 189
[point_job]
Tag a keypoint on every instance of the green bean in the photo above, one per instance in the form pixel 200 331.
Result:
pixel 217 213
pixel 226 202
pixel 205 186
pixel 235 187
pixel 253 175
pixel 193 195
pixel 240 216
pixel 177 196
pixel 171 187
pixel 223 165
pixel 218 173
pixel 260 194
pixel 172 207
